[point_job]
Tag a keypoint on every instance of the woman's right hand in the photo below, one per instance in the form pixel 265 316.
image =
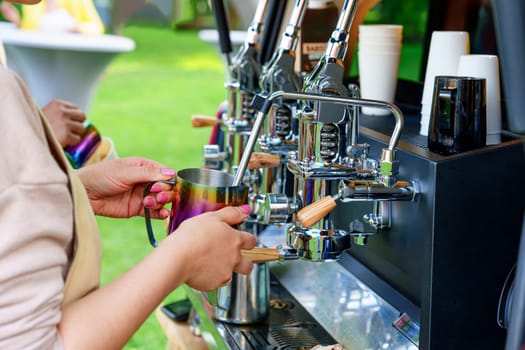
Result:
pixel 212 247
pixel 203 253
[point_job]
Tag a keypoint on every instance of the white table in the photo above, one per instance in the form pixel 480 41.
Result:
pixel 237 38
pixel 61 65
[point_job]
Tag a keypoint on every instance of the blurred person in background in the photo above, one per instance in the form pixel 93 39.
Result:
pixel 68 121
pixel 10 12
pixel 66 118
pixel 76 16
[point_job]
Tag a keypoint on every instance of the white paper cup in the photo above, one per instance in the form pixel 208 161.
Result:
pixel 378 78
pixel 378 48
pixel 375 37
pixel 378 61
pixel 486 66
pixel 424 125
pixel 381 29
pixel 380 34
pixel 446 47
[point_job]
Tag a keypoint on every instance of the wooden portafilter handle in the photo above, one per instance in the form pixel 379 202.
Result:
pixel 263 160
pixel 260 254
pixel 198 121
pixel 314 212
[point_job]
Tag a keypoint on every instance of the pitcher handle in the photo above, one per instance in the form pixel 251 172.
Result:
pixel 220 297
pixel 147 217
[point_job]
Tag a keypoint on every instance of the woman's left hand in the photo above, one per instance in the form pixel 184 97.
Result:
pixel 66 120
pixel 115 187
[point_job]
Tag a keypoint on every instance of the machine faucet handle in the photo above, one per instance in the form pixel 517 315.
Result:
pixel 260 160
pixel 198 121
pixel 314 212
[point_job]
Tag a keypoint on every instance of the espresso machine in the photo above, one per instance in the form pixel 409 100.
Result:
pixel 392 246
pixel 243 69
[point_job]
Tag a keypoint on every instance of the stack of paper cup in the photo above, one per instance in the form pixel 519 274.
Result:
pixel 446 47
pixel 378 60
pixel 486 66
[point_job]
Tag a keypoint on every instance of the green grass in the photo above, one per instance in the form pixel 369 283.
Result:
pixel 144 102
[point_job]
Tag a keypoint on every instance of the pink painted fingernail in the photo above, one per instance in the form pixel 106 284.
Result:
pixel 168 171
pixel 164 213
pixel 245 208
pixel 155 188
pixel 162 197
pixel 149 202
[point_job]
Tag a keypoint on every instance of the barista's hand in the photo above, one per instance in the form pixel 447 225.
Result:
pixel 115 187
pixel 67 121
pixel 210 247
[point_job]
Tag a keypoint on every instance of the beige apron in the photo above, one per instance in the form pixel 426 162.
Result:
pixel 84 272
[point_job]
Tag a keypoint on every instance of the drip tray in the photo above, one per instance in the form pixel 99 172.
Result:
pixel 288 327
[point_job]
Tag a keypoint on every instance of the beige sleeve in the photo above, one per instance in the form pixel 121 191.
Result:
pixel 36 225
pixel 3 60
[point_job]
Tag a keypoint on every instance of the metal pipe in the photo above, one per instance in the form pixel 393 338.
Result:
pixel 248 149
pixel 263 104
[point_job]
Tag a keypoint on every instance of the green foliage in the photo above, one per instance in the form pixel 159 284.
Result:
pixel 412 14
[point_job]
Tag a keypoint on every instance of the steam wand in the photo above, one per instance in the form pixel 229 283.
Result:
pixel 389 166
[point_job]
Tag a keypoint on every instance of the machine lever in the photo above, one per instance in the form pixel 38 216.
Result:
pixel 260 160
pixel 357 190
pixel 198 121
pixel 314 212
